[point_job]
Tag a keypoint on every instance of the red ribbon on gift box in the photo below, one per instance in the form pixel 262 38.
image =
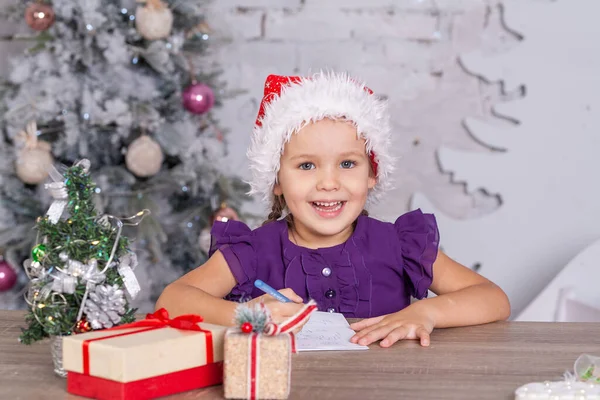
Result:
pixel 272 329
pixel 158 320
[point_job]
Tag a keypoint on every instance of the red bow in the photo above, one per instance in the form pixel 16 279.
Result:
pixel 188 322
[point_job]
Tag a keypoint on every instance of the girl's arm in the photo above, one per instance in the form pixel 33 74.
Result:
pixel 463 298
pixel 201 292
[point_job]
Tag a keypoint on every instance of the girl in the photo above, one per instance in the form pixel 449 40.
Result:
pixel 320 152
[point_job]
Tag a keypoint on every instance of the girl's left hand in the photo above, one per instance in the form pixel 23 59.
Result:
pixel 404 324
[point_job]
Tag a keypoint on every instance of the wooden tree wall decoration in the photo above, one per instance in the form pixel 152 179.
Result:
pixel 547 175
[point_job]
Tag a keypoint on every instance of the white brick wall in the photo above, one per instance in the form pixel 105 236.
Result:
pixel 8 48
pixel 405 49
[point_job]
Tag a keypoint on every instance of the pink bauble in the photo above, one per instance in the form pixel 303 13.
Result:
pixel 8 277
pixel 198 98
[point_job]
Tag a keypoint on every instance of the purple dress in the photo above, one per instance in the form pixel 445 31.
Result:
pixel 375 272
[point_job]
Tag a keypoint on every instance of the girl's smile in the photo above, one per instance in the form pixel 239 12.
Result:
pixel 328 209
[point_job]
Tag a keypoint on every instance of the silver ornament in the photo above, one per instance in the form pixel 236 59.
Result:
pixel 105 306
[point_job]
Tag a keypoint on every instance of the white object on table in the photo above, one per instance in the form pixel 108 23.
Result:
pixel 326 331
pixel 562 390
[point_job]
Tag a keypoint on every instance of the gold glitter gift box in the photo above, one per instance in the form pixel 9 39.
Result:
pixel 258 354
pixel 257 363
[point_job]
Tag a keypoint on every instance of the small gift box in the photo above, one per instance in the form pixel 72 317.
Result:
pixel 258 354
pixel 146 359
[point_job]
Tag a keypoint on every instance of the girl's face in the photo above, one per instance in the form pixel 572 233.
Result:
pixel 325 176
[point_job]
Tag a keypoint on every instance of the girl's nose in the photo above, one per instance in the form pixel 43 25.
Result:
pixel 328 180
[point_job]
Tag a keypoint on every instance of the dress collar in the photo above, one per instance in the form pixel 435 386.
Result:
pixel 291 249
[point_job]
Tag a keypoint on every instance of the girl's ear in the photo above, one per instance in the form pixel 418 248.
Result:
pixel 372 182
pixel 277 189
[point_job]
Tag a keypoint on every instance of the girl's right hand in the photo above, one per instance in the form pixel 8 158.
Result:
pixel 281 311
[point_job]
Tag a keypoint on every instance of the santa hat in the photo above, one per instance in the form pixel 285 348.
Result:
pixel 291 102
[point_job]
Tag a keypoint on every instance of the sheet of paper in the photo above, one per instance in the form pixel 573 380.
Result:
pixel 326 331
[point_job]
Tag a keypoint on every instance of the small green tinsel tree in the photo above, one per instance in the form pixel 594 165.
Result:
pixel 81 267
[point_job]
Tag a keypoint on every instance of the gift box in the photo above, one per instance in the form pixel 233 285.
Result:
pixel 257 363
pixel 147 359
pixel 258 354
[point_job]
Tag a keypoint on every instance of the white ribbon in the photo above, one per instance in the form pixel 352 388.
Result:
pixel 125 268
pixel 58 191
pixel 63 283
pixel 65 279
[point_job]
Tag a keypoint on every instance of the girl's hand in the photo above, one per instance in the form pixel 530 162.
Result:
pixel 281 311
pixel 408 323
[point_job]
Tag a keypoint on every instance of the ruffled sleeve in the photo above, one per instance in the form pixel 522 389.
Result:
pixel 419 240
pixel 236 242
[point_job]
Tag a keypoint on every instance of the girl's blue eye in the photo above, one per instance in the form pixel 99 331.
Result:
pixel 347 164
pixel 306 166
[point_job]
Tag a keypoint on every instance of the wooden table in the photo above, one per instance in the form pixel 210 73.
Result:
pixel 479 363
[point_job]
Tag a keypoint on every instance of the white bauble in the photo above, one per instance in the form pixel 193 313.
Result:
pixel 33 164
pixel 154 20
pixel 144 157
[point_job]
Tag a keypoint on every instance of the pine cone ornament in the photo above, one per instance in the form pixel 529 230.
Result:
pixel 154 21
pixel 105 306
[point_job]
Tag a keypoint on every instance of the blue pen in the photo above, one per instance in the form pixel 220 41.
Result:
pixel 269 290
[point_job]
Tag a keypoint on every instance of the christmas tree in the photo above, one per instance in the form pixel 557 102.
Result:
pixel 81 268
pixel 127 85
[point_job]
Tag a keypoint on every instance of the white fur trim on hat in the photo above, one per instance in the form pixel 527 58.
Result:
pixel 323 95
